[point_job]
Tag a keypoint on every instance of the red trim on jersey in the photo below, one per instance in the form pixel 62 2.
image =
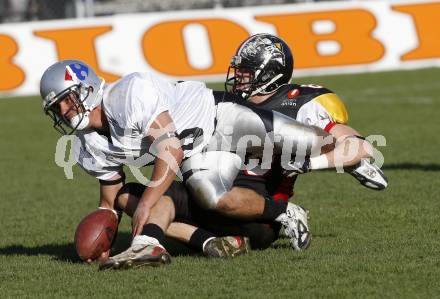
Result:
pixel 329 126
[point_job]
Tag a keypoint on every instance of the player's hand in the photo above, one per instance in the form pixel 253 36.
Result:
pixel 140 218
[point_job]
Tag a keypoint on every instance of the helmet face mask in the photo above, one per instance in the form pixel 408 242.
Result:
pixel 62 123
pixel 75 82
pixel 267 62
pixel 240 81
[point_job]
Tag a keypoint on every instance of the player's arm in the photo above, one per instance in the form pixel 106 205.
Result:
pixel 328 112
pixel 366 172
pixel 169 155
pixel 108 191
pixel 349 149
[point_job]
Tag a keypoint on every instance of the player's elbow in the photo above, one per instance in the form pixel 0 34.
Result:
pixel 179 155
pixel 171 152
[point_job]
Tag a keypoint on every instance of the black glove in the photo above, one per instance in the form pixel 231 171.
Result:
pixel 297 167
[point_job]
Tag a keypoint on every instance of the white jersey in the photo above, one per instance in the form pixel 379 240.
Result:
pixel 131 105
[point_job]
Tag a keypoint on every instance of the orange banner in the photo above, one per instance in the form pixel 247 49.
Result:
pixel 324 38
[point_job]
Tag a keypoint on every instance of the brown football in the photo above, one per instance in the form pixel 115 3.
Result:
pixel 95 233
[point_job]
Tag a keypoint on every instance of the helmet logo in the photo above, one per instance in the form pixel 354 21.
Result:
pixel 67 76
pixel 78 70
pixel 264 45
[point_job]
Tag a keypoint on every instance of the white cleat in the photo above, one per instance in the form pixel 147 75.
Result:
pixel 294 221
pixel 144 251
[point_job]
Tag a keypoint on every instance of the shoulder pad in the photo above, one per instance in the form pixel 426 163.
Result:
pixel 312 89
pixel 334 106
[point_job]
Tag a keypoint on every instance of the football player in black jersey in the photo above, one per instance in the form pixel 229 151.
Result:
pixel 260 73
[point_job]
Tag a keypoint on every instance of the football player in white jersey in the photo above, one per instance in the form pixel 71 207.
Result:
pixel 142 119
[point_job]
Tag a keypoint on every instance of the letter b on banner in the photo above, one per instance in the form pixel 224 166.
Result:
pixel 350 29
pixel 11 76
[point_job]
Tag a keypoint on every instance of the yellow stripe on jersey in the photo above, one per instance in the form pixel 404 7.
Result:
pixel 334 106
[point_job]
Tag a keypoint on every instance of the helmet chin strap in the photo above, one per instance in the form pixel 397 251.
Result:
pixel 263 87
pixel 80 121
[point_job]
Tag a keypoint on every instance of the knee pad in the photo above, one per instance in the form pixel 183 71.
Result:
pixel 205 192
pixel 208 176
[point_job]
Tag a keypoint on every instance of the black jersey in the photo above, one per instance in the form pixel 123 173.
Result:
pixel 309 104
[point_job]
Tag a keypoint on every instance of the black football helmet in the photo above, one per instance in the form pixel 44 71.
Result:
pixel 262 64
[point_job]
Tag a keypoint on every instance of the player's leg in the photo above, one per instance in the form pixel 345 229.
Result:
pixel 177 208
pixel 244 129
pixel 196 234
pixel 210 184
pixel 161 215
pixel 229 244
pixel 261 235
pixel 209 176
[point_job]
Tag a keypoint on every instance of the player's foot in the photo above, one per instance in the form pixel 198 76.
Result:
pixel 369 175
pixel 294 221
pixel 144 251
pixel 226 246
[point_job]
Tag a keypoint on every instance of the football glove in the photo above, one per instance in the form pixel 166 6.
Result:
pixel 297 167
pixel 369 175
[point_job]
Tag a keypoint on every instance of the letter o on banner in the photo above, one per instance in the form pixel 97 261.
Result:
pixel 165 50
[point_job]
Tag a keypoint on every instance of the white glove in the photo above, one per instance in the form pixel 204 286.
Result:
pixel 369 175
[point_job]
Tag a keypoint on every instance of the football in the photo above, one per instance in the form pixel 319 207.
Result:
pixel 95 233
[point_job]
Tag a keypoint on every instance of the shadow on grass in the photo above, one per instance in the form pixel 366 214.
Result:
pixel 66 252
pixel 62 252
pixel 412 166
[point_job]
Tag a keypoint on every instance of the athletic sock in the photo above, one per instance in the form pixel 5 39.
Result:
pixel 153 230
pixel 273 209
pixel 199 238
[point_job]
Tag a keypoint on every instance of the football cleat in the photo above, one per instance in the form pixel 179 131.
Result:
pixel 226 246
pixel 144 251
pixel 369 175
pixel 294 221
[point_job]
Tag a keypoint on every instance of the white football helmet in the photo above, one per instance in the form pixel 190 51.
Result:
pixel 70 77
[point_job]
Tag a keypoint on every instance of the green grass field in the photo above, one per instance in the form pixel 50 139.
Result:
pixel 366 243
